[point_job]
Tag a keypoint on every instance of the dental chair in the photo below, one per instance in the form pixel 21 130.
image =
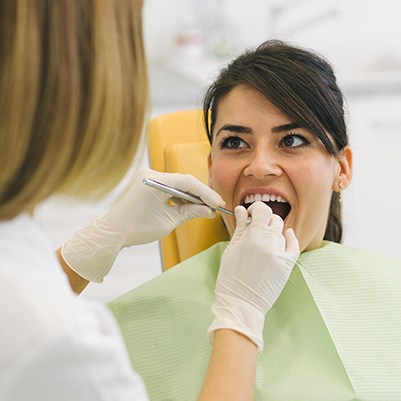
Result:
pixel 177 143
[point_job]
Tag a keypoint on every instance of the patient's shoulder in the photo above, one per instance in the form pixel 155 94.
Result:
pixel 335 257
pixel 377 257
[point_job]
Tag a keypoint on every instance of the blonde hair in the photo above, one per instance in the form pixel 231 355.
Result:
pixel 73 98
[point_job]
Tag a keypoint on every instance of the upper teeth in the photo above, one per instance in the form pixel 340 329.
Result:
pixel 264 197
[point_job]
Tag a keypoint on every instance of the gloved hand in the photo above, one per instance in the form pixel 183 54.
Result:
pixel 253 271
pixel 139 216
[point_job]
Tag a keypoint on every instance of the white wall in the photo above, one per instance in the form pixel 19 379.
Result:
pixel 359 37
pixel 372 219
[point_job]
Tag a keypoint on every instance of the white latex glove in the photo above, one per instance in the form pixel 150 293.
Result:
pixel 139 216
pixel 253 271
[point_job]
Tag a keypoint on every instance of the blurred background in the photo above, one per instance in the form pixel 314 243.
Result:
pixel 188 41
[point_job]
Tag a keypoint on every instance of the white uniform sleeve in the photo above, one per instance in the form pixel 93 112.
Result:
pixel 78 356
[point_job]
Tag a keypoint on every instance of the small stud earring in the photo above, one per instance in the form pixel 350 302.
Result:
pixel 340 189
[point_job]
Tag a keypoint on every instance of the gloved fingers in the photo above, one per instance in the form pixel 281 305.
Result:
pixel 292 245
pixel 277 222
pixel 163 178
pixel 262 216
pixel 135 191
pixel 188 183
pixel 187 211
pixel 184 182
pixel 260 213
pixel 241 215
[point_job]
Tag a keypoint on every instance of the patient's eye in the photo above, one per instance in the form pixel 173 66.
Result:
pixel 294 141
pixel 233 142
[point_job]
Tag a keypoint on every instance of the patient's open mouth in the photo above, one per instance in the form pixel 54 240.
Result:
pixel 278 204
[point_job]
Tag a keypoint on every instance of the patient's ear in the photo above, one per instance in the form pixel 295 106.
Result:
pixel 210 174
pixel 345 168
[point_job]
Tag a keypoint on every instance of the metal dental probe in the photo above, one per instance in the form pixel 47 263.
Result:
pixel 182 195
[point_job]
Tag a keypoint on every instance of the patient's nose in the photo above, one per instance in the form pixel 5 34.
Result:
pixel 262 163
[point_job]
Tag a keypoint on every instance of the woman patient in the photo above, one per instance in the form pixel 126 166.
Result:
pixel 275 121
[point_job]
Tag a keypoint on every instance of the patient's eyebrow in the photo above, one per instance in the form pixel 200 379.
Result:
pixel 239 129
pixel 285 127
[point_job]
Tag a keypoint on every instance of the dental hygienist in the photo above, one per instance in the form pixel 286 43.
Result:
pixel 73 99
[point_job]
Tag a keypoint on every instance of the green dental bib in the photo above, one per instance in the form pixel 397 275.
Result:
pixel 333 334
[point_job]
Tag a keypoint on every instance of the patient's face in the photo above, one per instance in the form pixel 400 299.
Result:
pixel 259 154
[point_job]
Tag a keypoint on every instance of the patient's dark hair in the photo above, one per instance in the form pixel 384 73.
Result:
pixel 300 83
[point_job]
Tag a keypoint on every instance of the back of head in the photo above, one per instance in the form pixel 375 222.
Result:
pixel 73 98
pixel 301 84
